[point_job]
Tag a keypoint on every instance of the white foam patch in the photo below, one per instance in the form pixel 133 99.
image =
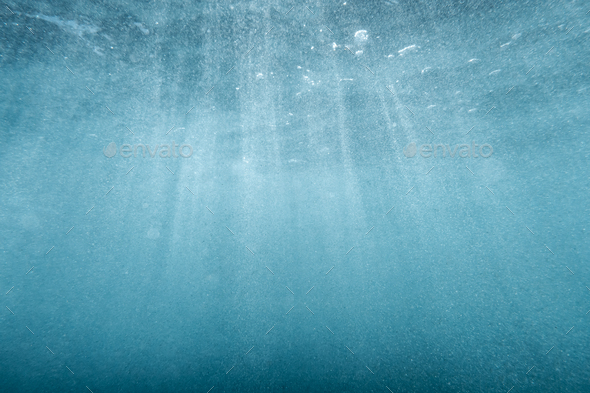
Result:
pixel 407 49
pixel 361 36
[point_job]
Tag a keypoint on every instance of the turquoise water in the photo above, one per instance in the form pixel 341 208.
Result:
pixel 271 196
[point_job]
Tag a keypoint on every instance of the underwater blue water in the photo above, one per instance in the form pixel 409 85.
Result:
pixel 330 196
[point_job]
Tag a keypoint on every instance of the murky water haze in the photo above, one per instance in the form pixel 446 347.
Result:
pixel 443 274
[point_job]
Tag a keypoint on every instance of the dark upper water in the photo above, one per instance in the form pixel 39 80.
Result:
pixel 336 196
